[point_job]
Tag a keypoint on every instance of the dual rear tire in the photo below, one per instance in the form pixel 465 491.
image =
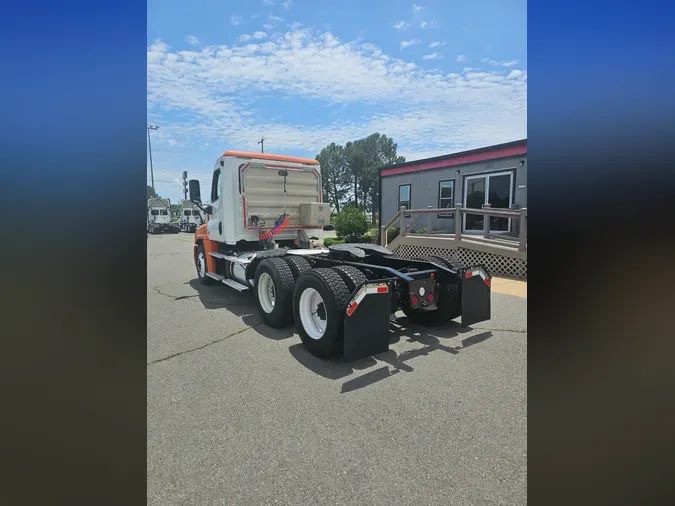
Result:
pixel 287 289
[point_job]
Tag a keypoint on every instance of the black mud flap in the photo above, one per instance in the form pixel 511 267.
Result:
pixel 366 324
pixel 476 296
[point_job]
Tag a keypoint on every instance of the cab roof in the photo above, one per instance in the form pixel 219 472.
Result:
pixel 266 156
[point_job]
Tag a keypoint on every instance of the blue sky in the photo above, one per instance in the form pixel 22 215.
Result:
pixel 437 76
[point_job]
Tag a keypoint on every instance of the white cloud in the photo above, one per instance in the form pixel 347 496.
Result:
pixel 436 43
pixel 275 19
pixel 417 8
pixel 254 16
pixel 236 20
pixel 244 37
pixel 429 24
pixel 495 63
pixel 461 58
pixel 216 91
pixel 269 3
pixel 408 43
pixel 191 39
pixel 401 25
pixel 268 26
pixel 259 35
pixel 432 56
pixel 423 24
pixel 287 4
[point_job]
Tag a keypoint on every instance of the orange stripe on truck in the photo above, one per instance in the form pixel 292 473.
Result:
pixel 265 156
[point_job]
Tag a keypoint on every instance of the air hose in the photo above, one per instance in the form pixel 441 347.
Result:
pixel 280 224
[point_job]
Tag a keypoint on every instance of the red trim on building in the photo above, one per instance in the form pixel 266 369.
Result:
pixel 459 160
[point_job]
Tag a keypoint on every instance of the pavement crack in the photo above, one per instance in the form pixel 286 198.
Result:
pixel 215 341
pixel 501 330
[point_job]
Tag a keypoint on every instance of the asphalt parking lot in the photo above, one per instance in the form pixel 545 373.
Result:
pixel 241 414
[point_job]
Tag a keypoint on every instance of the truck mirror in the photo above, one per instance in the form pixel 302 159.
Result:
pixel 195 193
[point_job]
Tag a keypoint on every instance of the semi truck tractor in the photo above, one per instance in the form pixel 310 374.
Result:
pixel 264 211
pixel 159 216
pixel 190 217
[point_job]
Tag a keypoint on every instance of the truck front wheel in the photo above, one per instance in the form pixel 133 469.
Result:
pixel 319 303
pixel 200 262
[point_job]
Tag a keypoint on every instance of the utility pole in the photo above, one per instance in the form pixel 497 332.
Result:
pixel 152 175
pixel 262 144
pixel 185 185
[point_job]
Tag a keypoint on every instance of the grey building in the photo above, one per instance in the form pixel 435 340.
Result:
pixel 496 175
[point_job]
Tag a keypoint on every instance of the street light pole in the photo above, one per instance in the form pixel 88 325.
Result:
pixel 152 175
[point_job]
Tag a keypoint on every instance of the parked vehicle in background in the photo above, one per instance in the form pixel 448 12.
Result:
pixel 159 216
pixel 265 209
pixel 190 217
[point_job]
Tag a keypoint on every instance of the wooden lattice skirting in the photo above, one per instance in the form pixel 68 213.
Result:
pixel 497 265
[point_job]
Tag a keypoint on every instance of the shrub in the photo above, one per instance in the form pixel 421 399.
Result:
pixel 351 222
pixel 329 241
pixel 360 240
pixel 422 230
pixel 392 234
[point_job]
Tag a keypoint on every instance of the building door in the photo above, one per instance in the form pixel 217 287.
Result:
pixel 494 189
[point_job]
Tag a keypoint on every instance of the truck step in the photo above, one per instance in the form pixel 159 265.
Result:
pixel 230 258
pixel 236 285
pixel 215 276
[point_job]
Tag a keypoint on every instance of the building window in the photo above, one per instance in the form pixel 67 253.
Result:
pixel 154 212
pixel 164 212
pixel 404 197
pixel 446 195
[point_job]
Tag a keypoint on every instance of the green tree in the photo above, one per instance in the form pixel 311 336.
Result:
pixel 365 158
pixel 352 172
pixel 355 157
pixel 334 174
pixel 151 192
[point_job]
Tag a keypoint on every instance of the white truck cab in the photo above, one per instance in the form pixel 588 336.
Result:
pixel 249 192
pixel 159 216
pixel 190 217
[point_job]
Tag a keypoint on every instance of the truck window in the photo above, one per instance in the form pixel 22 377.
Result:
pixel 164 212
pixel 195 213
pixel 215 186
pixel 186 213
pixel 154 212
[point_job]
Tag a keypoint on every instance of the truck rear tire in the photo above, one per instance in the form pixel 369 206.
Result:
pixel 200 263
pixel 319 302
pixel 274 292
pixel 449 305
pixel 350 275
pixel 298 265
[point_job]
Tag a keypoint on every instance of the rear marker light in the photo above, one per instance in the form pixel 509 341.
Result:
pixel 487 281
pixel 414 300
pixel 468 274
pixel 430 297
pixel 382 289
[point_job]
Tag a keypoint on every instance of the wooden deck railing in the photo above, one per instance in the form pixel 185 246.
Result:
pixel 399 218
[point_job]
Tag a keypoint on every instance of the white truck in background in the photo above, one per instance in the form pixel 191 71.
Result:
pixel 159 216
pixel 190 217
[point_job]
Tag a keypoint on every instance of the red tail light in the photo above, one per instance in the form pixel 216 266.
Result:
pixel 414 300
pixel 430 297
